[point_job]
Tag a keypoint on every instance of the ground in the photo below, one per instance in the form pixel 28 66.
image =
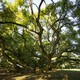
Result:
pixel 50 75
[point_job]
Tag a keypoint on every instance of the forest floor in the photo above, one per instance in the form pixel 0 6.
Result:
pixel 50 75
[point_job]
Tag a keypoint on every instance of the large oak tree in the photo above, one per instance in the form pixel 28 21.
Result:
pixel 46 38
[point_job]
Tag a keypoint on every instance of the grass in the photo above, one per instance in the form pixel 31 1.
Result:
pixel 65 74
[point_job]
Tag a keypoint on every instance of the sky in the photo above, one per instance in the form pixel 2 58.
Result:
pixel 37 3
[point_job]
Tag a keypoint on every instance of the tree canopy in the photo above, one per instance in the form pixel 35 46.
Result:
pixel 46 38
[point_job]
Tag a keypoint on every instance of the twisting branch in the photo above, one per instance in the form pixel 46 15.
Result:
pixel 41 29
pixel 39 9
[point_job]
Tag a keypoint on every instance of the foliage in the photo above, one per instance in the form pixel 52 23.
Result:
pixel 45 39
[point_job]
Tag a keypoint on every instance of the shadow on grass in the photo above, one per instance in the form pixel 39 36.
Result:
pixel 59 75
pixel 40 76
pixel 72 75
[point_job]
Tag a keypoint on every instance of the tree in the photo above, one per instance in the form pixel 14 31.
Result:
pixel 43 37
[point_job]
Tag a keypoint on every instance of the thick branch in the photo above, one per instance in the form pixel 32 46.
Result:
pixel 7 22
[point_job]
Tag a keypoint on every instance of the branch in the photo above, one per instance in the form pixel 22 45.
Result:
pixel 74 51
pixel 66 58
pixel 39 9
pixel 30 1
pixel 70 59
pixel 41 29
pixel 52 1
pixel 73 59
pixel 53 24
pixel 7 22
pixel 34 32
